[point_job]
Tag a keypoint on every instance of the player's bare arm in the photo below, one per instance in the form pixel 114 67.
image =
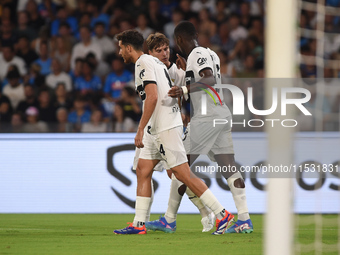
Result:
pixel 207 78
pixel 149 107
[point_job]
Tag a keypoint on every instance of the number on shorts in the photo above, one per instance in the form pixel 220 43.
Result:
pixel 161 150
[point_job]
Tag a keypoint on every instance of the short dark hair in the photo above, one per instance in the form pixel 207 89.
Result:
pixel 185 29
pixel 87 27
pixel 156 40
pixel 133 38
pixel 99 23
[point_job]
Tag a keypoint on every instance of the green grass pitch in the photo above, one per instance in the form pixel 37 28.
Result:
pixel 92 234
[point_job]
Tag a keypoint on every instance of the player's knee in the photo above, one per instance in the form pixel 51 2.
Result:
pixel 141 173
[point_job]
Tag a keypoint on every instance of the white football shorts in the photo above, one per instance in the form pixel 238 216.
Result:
pixel 167 146
pixel 203 138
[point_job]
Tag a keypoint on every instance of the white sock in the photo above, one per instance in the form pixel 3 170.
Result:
pixel 212 203
pixel 147 218
pixel 239 196
pixel 174 200
pixel 142 206
pixel 204 211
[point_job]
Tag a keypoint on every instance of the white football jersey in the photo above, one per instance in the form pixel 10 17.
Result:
pixel 167 113
pixel 177 75
pixel 213 106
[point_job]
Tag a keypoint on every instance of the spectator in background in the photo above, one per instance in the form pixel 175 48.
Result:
pixel 97 16
pixel 62 99
pixel 207 25
pixel 185 7
pixel 34 125
pixel 8 59
pixel 96 124
pixel 36 21
pixel 127 111
pixel 142 26
pixel 101 68
pixel 80 50
pixel 14 90
pixel 136 8
pixel 176 17
pixel 63 16
pixel 5 108
pixel 198 5
pixel 23 29
pixel 166 7
pixel 96 104
pixel 44 61
pixel 25 52
pixel 245 17
pixel 255 48
pixel 157 21
pixel 16 123
pixel 58 76
pixel 249 70
pixel 46 107
pixel 30 100
pixel 223 39
pixel 79 115
pixel 69 39
pixel 63 53
pixel 34 77
pixel 62 124
pixel 256 30
pixel 7 35
pixel 87 82
pixel 221 12
pixel 76 72
pixel 237 32
pixel 117 80
pixel 101 39
pixel 44 36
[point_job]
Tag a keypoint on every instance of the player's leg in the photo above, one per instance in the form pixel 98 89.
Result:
pixel 147 218
pixel 149 157
pixel 238 191
pixel 144 173
pixel 158 167
pixel 223 217
pixel 177 190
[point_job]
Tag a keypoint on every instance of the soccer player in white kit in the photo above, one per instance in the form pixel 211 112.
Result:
pixel 158 46
pixel 161 116
pixel 202 72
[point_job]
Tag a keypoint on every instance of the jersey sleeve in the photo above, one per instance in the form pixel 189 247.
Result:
pixel 198 61
pixel 146 72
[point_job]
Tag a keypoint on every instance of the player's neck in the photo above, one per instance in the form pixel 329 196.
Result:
pixel 136 55
pixel 190 46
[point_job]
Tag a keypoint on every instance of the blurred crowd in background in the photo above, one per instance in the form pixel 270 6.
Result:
pixel 60 70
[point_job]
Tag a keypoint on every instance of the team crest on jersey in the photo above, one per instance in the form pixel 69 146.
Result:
pixel 201 61
pixel 141 74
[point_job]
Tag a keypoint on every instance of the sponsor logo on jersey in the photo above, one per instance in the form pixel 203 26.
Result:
pixel 201 61
pixel 141 74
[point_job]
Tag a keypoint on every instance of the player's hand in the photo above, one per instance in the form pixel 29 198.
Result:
pixel 181 62
pixel 175 91
pixel 139 138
